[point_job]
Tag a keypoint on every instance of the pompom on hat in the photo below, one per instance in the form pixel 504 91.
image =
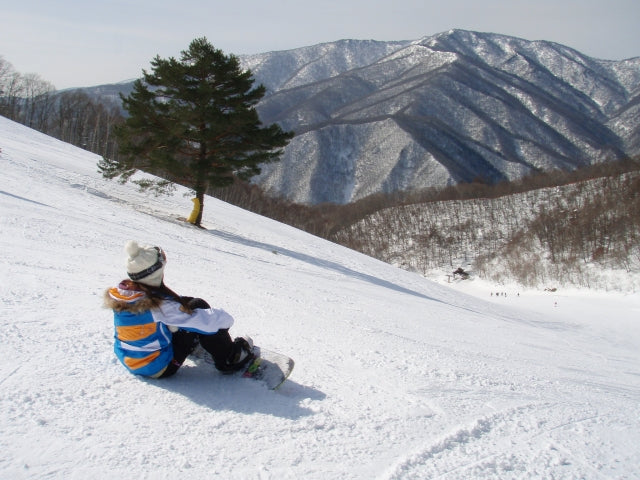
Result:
pixel 145 264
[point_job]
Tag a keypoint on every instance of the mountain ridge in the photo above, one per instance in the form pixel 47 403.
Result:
pixel 458 106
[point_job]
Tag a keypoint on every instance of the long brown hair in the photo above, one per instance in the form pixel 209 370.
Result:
pixel 158 294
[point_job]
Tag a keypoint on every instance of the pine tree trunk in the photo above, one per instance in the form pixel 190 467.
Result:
pixel 200 197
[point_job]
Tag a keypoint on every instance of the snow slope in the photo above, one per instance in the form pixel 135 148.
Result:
pixel 396 377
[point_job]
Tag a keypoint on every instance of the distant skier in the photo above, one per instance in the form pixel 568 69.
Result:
pixel 156 329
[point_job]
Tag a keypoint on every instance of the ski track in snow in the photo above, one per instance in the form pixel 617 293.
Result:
pixel 396 377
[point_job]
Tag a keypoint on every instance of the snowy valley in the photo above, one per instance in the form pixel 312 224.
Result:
pixel 397 377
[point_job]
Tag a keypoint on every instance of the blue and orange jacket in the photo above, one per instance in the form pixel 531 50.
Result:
pixel 143 328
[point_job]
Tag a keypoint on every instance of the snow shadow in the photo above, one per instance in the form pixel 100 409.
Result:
pixel 319 262
pixel 208 388
pixel 2 192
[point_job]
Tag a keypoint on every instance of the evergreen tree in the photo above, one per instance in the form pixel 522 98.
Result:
pixel 193 122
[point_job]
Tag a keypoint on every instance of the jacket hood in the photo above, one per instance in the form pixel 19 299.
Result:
pixel 132 301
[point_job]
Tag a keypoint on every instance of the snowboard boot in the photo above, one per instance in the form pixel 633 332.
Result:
pixel 241 354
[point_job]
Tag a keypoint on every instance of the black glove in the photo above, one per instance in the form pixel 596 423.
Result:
pixel 198 303
pixel 194 303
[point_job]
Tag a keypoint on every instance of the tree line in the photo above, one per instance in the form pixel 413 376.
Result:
pixel 553 230
pixel 71 116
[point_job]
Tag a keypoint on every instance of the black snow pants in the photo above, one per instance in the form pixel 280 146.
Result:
pixel 219 345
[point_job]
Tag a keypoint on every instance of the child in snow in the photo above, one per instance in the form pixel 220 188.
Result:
pixel 156 329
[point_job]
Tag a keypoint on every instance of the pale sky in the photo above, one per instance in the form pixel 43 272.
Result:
pixel 78 43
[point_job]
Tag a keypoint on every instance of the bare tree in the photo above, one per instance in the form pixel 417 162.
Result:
pixel 36 97
pixel 11 89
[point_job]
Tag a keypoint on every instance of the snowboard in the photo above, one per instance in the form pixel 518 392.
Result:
pixel 271 368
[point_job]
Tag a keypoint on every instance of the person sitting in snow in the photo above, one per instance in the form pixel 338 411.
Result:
pixel 156 329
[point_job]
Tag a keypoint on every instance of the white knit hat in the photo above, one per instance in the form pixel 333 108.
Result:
pixel 145 263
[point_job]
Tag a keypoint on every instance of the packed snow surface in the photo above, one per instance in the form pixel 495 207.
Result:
pixel 397 376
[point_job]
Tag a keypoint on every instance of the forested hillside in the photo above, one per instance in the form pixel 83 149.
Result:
pixel 73 116
pixel 585 233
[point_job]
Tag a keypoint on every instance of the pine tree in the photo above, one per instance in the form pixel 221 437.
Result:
pixel 193 122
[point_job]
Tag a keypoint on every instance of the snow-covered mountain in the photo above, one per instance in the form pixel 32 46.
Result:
pixel 453 107
pixel 282 70
pixel 457 106
pixel 396 377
